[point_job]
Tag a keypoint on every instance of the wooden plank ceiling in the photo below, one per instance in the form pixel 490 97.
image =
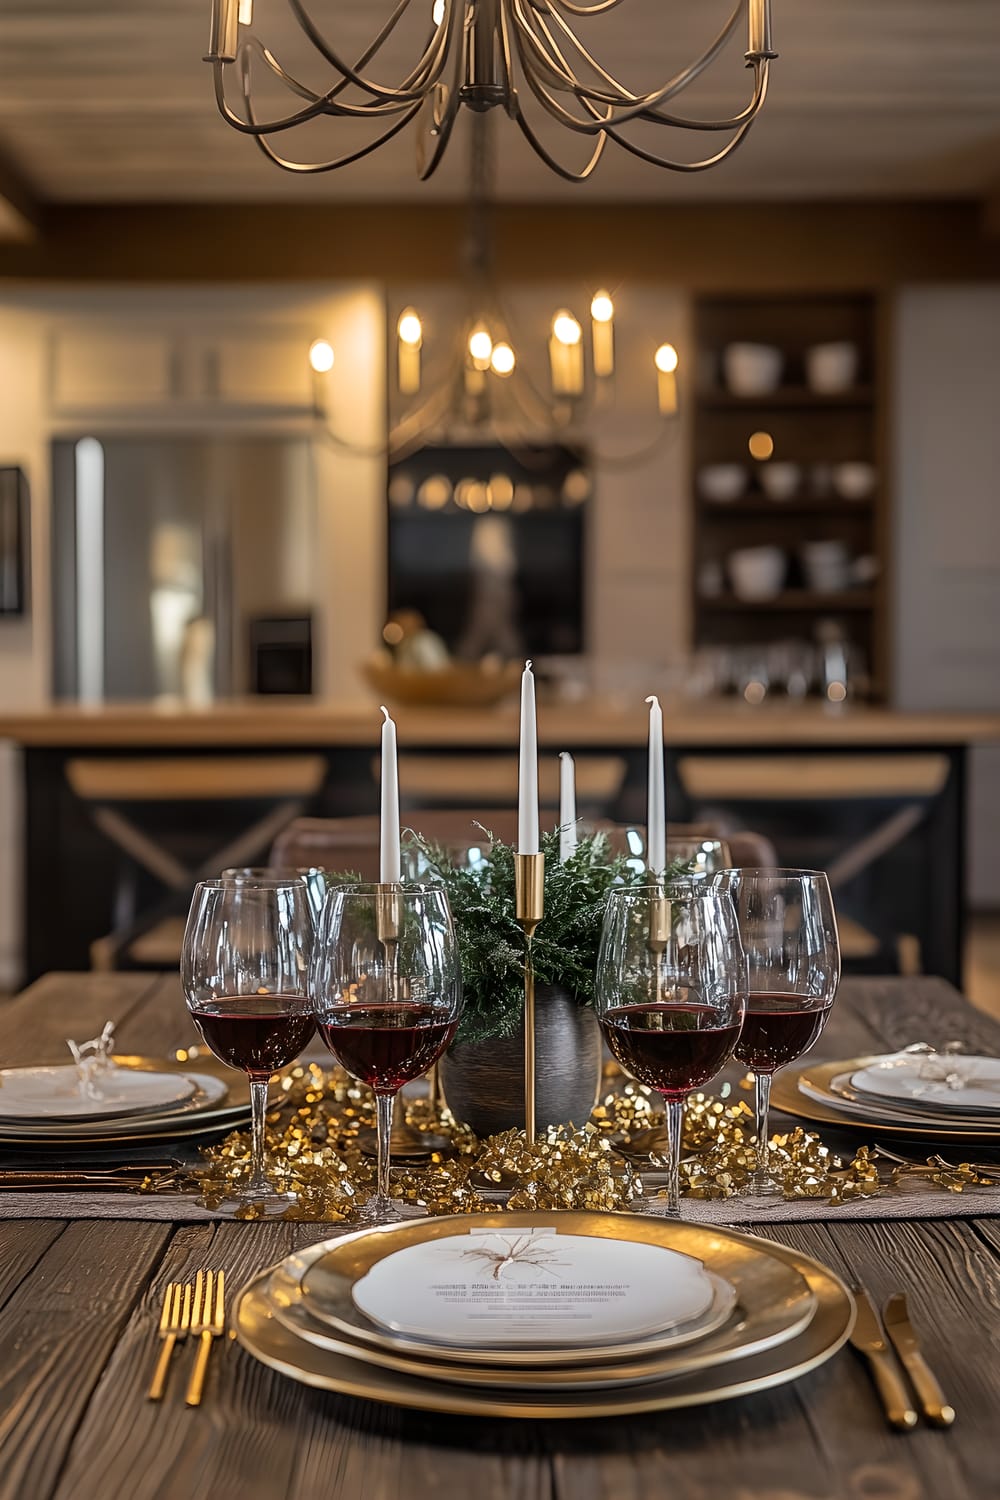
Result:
pixel 109 101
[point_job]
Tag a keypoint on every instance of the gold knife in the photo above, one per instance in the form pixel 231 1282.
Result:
pixel 869 1340
pixel 906 1344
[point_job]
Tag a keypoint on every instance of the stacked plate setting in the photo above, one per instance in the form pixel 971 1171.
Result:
pixel 136 1099
pixel 565 1314
pixel 916 1092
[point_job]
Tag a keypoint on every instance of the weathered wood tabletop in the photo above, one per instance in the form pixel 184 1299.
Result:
pixel 79 1304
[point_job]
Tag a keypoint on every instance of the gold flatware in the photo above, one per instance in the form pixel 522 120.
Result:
pixel 208 1321
pixel 175 1320
pixel 868 1339
pixel 904 1340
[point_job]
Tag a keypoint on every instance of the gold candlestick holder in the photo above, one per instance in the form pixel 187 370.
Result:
pixel 529 908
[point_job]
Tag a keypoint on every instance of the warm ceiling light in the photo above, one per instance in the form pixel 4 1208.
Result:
pixel 485 54
pixel 665 359
pixel 409 328
pixel 480 348
pixel 602 309
pixel 321 356
pixel 566 329
pixel 503 359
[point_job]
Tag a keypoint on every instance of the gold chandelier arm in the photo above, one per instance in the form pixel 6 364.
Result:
pixel 308 168
pixel 404 93
pixel 620 95
pixel 526 130
pixel 613 119
pixel 710 161
pixel 586 10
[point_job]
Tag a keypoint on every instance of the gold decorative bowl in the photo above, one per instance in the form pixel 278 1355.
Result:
pixel 457 685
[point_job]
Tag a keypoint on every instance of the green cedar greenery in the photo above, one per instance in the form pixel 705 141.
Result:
pixel 492 943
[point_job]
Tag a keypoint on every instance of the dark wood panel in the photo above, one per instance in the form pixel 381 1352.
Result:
pixel 712 247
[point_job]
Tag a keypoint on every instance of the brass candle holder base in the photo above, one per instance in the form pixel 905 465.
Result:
pixel 388 911
pixel 529 908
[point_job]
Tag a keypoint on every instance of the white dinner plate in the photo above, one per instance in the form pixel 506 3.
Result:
pixel 840 1096
pixel 41 1094
pixel 208 1093
pixel 937 1083
pixel 531 1289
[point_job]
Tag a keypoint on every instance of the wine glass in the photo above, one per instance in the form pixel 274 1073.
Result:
pixel 788 929
pixel 670 993
pixel 387 993
pixel 244 971
pixel 312 876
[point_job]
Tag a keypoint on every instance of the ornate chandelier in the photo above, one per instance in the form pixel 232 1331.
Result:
pixel 478 383
pixel 485 54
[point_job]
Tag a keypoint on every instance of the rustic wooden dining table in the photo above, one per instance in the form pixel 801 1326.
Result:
pixel 80 1302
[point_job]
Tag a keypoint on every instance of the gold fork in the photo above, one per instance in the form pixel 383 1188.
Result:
pixel 175 1321
pixel 208 1321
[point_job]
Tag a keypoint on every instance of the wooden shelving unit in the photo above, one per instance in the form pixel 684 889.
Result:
pixel 814 431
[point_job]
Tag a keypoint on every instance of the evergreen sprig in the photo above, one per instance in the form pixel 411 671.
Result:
pixel 492 943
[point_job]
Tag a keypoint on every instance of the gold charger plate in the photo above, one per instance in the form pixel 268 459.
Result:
pixel 740 1338
pixel 758 1281
pixel 263 1335
pixel 787 1096
pixel 212 1121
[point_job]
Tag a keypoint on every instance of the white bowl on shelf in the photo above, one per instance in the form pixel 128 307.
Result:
pixel 757 573
pixel 853 481
pixel 722 483
pixel 832 368
pixel 752 369
pixel 780 481
pixel 827 566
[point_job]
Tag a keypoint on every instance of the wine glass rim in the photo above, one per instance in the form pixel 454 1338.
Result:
pixel 404 888
pixel 270 872
pixel 252 883
pixel 770 872
pixel 677 888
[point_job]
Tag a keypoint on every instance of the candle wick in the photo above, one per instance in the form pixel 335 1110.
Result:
pixel 653 699
pixel 527 666
pixel 386 712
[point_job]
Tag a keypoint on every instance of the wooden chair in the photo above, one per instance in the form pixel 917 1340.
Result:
pixel 114 789
pixel 353 843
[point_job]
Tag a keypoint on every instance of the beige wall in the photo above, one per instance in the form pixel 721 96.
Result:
pixel 947 529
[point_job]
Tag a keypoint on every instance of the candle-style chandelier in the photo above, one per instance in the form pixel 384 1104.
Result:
pixel 485 54
pixel 478 381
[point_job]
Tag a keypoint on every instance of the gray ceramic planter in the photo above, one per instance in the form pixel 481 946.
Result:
pixel 483 1082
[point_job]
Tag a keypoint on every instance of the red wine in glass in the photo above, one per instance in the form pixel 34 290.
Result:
pixel 257 1033
pixel 778 1028
pixel 670 1048
pixel 387 1045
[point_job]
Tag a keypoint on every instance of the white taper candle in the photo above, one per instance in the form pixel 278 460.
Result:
pixel 656 802
pixel 527 770
pixel 567 805
pixel 389 862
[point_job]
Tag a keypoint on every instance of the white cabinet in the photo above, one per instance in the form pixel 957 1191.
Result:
pixel 108 368
pixel 123 368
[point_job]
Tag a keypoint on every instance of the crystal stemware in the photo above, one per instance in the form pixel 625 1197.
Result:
pixel 387 993
pixel 670 993
pixel 788 929
pixel 244 968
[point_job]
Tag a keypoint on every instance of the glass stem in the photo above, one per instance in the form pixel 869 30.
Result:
pixel 258 1112
pixel 675 1131
pixel 383 1105
pixel 763 1110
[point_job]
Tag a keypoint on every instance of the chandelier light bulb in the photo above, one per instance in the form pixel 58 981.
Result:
pixel 566 329
pixel 666 359
pixel 246 13
pixel 602 309
pixel 409 328
pixel 480 348
pixel 503 359
pixel 321 356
